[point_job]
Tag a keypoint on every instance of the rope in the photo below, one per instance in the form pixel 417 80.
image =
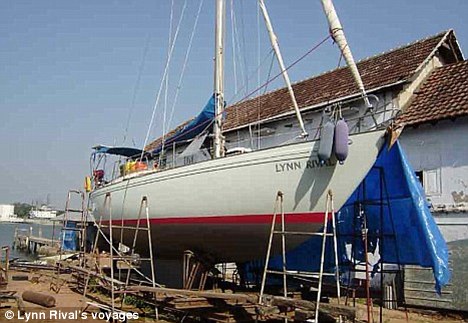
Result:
pixel 270 54
pixel 136 87
pixel 182 73
pixel 233 40
pixel 269 81
pixel 169 44
pixel 287 68
pixel 166 68
pixel 258 104
pixel 244 57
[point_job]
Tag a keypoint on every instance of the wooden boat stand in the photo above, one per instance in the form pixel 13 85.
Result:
pixel 196 268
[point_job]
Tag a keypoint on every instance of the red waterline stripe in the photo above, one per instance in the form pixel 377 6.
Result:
pixel 312 217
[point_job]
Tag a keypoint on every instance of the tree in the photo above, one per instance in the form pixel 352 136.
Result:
pixel 22 209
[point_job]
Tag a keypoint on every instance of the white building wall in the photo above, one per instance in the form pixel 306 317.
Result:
pixel 440 151
pixel 285 130
pixel 6 211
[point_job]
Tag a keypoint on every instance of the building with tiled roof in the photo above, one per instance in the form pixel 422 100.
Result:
pixel 422 85
pixel 391 76
pixel 392 68
pixel 435 139
pixel 444 95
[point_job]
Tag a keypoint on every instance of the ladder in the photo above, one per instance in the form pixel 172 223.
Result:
pixel 80 224
pixel 122 256
pixel 329 213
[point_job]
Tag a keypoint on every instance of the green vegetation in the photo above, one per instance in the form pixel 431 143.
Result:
pixel 22 209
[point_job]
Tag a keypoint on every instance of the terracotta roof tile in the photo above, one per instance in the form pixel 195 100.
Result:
pixel 377 71
pixel 443 95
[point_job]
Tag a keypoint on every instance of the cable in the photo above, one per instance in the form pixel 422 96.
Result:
pixel 166 68
pixel 182 73
pixel 136 87
pixel 286 69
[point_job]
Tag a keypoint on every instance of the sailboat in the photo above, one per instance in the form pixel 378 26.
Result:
pixel 223 206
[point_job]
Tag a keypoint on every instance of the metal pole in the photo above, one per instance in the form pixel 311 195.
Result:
pixel 322 256
pixel 219 78
pixel 111 252
pixel 335 246
pixel 150 244
pixel 275 45
pixel 283 243
pixel 267 258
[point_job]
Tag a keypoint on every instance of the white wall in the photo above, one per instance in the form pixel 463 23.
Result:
pixel 441 152
pixel 284 131
pixel 6 210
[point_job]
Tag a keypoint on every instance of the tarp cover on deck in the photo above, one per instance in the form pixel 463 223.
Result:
pixel 194 127
pixel 119 151
pixel 411 235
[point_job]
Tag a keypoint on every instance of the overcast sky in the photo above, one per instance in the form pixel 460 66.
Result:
pixel 74 73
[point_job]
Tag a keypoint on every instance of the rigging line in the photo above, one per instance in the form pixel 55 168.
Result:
pixel 167 78
pixel 259 126
pixel 166 68
pixel 191 130
pixel 258 70
pixel 233 40
pixel 184 66
pixel 136 86
pixel 166 89
pixel 238 48
pixel 244 57
pixel 251 76
pixel 264 91
pixel 286 69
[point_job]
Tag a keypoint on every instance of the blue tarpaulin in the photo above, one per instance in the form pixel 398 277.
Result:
pixel 69 237
pixel 194 127
pixel 393 200
pixel 119 151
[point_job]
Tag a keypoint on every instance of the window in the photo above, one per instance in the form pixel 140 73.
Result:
pixel 430 181
pixel 419 175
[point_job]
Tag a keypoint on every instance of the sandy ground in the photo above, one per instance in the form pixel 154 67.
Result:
pixel 69 305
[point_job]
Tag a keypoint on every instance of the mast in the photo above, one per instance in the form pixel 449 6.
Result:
pixel 275 45
pixel 219 78
pixel 338 35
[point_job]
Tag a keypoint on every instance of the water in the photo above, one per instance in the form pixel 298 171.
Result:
pixel 7 232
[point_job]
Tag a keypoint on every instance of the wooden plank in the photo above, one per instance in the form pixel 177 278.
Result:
pixel 241 298
pixel 325 308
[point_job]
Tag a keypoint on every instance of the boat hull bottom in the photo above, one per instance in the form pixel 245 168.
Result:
pixel 219 242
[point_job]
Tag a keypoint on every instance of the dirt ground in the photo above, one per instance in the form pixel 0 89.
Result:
pixel 69 305
pixel 400 316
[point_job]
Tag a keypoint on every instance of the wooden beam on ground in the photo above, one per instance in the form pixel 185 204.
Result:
pixel 325 308
pixel 241 298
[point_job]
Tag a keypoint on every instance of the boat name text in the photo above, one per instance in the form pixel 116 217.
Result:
pixel 297 165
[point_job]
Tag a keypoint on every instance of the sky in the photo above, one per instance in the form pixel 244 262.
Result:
pixel 74 74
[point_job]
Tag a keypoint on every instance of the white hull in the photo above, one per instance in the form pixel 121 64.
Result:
pixel 223 207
